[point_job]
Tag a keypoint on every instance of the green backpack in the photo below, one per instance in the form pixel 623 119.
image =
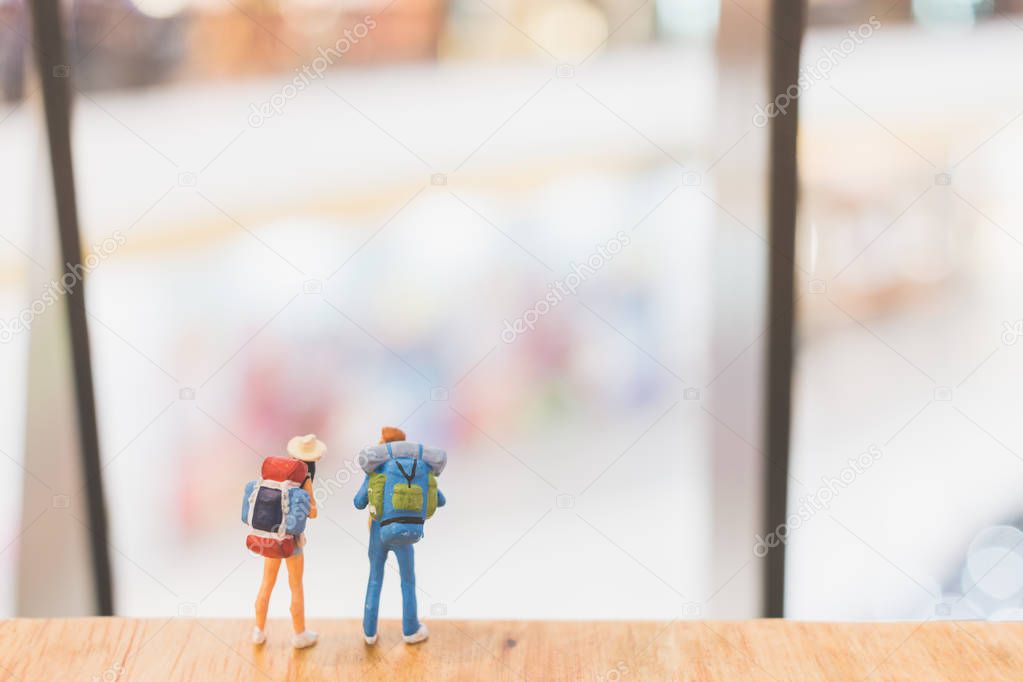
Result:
pixel 405 495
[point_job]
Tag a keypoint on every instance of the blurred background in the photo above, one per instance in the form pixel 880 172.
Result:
pixel 309 216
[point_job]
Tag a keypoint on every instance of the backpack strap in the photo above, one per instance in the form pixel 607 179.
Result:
pixel 408 476
pixel 415 464
pixel 252 503
pixel 283 486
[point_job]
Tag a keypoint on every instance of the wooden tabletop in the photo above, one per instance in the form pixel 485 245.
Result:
pixel 111 649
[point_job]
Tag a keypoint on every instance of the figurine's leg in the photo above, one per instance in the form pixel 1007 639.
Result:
pixel 270 569
pixel 377 559
pixel 407 568
pixel 296 566
pixel 302 637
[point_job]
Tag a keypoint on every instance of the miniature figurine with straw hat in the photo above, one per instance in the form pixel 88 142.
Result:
pixel 307 448
pixel 275 508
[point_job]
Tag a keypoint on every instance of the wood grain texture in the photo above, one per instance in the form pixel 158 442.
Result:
pixel 111 649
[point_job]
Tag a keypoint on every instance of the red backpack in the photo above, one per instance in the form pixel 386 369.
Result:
pixel 275 507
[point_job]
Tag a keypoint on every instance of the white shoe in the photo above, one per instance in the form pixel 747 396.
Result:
pixel 370 640
pixel 418 636
pixel 304 639
pixel 258 636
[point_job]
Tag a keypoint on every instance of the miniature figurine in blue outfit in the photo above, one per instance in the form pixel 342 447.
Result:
pixel 401 492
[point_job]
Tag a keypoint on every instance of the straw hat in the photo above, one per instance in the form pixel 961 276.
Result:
pixel 306 448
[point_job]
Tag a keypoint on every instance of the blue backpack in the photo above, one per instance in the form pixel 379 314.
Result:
pixel 402 495
pixel 275 507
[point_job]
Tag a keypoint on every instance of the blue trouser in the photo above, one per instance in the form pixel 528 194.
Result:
pixel 406 567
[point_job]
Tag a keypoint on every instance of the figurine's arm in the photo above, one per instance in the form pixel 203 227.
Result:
pixel 362 497
pixel 441 500
pixel 308 487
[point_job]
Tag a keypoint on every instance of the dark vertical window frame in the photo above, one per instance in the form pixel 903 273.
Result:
pixel 788 19
pixel 55 79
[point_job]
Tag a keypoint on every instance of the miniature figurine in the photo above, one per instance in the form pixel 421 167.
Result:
pixel 401 492
pixel 275 509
